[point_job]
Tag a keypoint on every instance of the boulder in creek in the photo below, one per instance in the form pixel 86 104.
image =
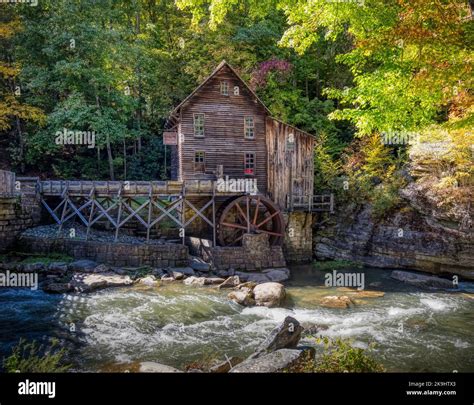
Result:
pixel 334 301
pixel 362 293
pixel 83 266
pixel 198 264
pixel 230 282
pixel 248 284
pixel 213 280
pixel 422 281
pixel 285 336
pixel 194 281
pixel 149 281
pixel 269 294
pixel 226 365
pixel 92 282
pixel 167 279
pixel 57 288
pixel 226 273
pixel 57 268
pixel 180 273
pixel 158 272
pixel 152 367
pixel 277 275
pixel 274 362
pixel 243 297
pixel 101 268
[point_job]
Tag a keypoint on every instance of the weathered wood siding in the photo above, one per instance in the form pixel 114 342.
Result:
pixel 289 171
pixel 224 142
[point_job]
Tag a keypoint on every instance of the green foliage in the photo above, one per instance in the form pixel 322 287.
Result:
pixel 372 173
pixel 28 357
pixel 409 59
pixel 341 357
pixel 327 166
pixel 51 258
pixel 385 198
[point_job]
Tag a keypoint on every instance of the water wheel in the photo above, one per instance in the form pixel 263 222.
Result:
pixel 249 214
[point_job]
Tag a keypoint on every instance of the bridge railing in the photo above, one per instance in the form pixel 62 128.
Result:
pixel 311 203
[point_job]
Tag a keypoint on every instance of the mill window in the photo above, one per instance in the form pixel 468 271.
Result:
pixel 249 163
pixel 199 125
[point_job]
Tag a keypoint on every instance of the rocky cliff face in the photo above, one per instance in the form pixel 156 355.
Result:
pixel 407 239
pixel 431 230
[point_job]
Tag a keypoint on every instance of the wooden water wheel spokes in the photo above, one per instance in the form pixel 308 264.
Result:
pixel 249 214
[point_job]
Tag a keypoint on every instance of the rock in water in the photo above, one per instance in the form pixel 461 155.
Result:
pixel 334 301
pixel 149 281
pixel 277 275
pixel 57 268
pixel 185 271
pixel 213 280
pixel 243 297
pixel 92 282
pixel 58 288
pixel 285 336
pixel 278 361
pixel 269 294
pixel 226 365
pixel 194 281
pixel 101 268
pixel 83 266
pixel 199 265
pixel 420 280
pixel 152 367
pixel 230 282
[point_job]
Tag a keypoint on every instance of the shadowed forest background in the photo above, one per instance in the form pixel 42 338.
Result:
pixel 344 71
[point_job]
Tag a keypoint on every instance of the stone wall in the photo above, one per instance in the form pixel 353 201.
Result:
pixel 254 254
pixel 16 214
pixel 298 244
pixel 114 254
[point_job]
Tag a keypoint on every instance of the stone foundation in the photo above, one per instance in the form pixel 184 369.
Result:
pixel 114 254
pixel 16 214
pixel 254 254
pixel 298 243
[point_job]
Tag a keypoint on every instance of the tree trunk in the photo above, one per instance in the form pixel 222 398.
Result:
pixel 124 159
pixel 111 159
pixel 109 148
pixel 21 143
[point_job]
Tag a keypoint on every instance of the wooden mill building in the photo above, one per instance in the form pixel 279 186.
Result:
pixel 223 129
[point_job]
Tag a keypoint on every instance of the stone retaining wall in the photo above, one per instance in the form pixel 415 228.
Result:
pixel 254 254
pixel 114 254
pixel 298 244
pixel 16 214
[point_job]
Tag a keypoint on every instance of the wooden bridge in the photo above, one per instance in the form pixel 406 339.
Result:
pixel 228 214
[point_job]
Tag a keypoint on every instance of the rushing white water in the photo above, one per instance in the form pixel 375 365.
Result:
pixel 413 330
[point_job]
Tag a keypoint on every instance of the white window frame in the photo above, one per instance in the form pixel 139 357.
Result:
pixel 199 131
pixel 225 88
pixel 249 127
